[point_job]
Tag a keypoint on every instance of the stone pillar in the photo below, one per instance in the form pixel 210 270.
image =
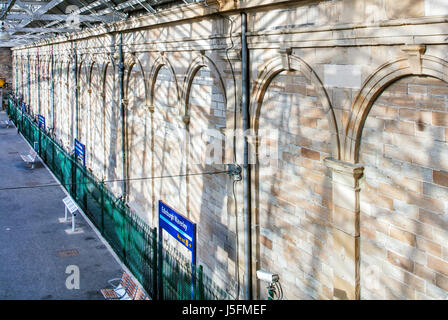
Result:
pixel 345 223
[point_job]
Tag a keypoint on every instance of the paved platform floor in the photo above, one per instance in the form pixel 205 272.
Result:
pixel 33 260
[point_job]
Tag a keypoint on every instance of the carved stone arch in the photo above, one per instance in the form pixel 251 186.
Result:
pixel 59 69
pixel 100 59
pixel 414 63
pixel 92 63
pixel 84 64
pixel 105 66
pixel 43 64
pixel 158 64
pixel 130 59
pixel 288 62
pixel 131 62
pixel 197 63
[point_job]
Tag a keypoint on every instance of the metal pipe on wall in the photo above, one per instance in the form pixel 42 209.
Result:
pixel 29 81
pixel 75 102
pixel 122 113
pixel 246 167
pixel 52 89
pixel 37 79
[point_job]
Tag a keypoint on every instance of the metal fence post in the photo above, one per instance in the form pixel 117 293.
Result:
pixel 159 266
pixel 71 161
pixel 200 285
pixel 102 207
pixel 154 261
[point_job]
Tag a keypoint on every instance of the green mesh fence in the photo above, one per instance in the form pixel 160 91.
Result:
pixel 130 237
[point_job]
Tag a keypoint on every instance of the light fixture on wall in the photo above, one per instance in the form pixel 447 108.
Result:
pixel 4 36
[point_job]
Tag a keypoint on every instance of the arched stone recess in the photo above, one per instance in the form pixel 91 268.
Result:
pixel 402 141
pixel 200 61
pixel 112 128
pixel 296 130
pixel 83 104
pixel 414 62
pixel 288 62
pixel 58 87
pixel 160 62
pixel 44 100
pixel 96 119
pixel 133 63
pixel 50 92
pixel 167 135
pixel 25 76
pixel 138 131
pixel 33 86
pixel 204 100
pixel 68 110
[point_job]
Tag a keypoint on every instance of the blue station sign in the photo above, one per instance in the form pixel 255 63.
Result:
pixel 184 231
pixel 41 120
pixel 80 152
pixel 179 227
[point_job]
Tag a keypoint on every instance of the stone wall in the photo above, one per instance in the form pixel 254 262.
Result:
pixel 6 64
pixel 349 97
pixel 404 196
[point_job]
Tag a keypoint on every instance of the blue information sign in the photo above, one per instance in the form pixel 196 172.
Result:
pixel 80 152
pixel 182 229
pixel 41 120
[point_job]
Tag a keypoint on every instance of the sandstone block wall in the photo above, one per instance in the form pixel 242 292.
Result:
pixel 352 203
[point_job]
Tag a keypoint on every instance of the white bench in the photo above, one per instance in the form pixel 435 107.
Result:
pixel 30 158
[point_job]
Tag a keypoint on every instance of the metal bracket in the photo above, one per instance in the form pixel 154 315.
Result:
pixel 235 171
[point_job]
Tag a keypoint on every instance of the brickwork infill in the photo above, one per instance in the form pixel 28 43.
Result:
pixel 295 193
pixel 404 199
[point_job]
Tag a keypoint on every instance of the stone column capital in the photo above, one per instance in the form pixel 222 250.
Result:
pixel 345 173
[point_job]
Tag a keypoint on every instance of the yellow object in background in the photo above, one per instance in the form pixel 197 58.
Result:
pixel 2 82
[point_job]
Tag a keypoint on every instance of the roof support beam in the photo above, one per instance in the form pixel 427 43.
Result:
pixel 8 7
pixel 45 30
pixel 147 7
pixel 34 3
pixel 56 17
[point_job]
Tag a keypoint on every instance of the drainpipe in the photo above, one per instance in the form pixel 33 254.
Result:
pixel 246 167
pixel 122 114
pixel 37 79
pixel 17 76
pixel 52 89
pixel 20 72
pixel 75 73
pixel 28 80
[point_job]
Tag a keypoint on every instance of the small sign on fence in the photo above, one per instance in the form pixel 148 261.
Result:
pixel 41 120
pixel 80 152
